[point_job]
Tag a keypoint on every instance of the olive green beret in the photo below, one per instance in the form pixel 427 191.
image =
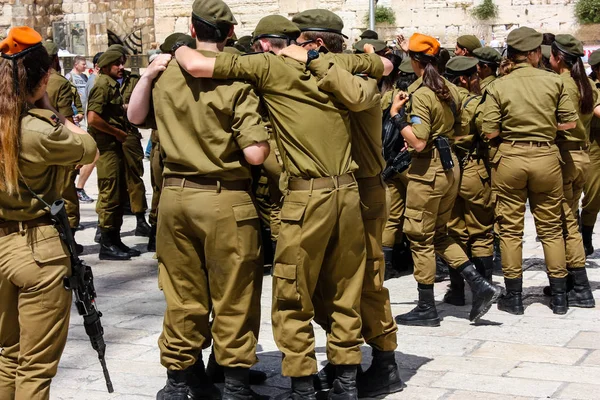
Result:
pixel 231 50
pixel 243 44
pixel 51 48
pixel 213 12
pixel 569 44
pixel 275 26
pixel 546 51
pixel 174 38
pixel 524 39
pixel 319 20
pixel 120 48
pixel 406 66
pixel 594 58
pixel 469 42
pixel 487 55
pixel 108 58
pixel 369 34
pixel 379 45
pixel 461 66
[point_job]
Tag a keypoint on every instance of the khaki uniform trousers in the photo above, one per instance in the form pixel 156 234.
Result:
pixel 112 189
pixel 321 239
pixel 34 311
pixel 392 233
pixel 574 173
pixel 212 262
pixel 72 200
pixel 430 196
pixel 590 206
pixel 521 172
pixel 472 220
pixel 156 180
pixel 134 172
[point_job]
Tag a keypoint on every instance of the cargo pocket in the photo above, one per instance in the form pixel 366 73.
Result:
pixel 422 172
pixel 495 158
pixel 374 276
pixel 292 211
pixel 46 245
pixel 373 211
pixel 285 276
pixel 248 240
pixel 413 222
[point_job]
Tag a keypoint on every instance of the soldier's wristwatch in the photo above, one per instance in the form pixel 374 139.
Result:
pixel 177 45
pixel 312 55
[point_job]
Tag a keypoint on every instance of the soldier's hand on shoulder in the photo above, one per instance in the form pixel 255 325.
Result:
pixel 296 52
pixel 157 66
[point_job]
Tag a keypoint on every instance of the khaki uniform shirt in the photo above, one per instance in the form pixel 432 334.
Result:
pixel 485 82
pixel 129 82
pixel 527 105
pixel 311 130
pixel 595 125
pixel 469 105
pixel 205 123
pixel 60 94
pixel 360 95
pixel 581 133
pixel 48 152
pixel 106 100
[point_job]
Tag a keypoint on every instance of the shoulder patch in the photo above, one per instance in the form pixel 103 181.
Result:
pixel 45 115
pixel 414 120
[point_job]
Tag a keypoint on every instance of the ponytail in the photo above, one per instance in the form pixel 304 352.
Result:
pixel 575 66
pixel 434 81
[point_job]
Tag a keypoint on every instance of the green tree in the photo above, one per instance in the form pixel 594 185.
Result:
pixel 588 11
pixel 486 10
pixel 383 15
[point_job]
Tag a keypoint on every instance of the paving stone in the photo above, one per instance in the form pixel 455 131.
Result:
pixel 580 391
pixel 430 346
pixel 529 352
pixel 585 340
pixel 472 365
pixel 547 337
pixel 464 394
pixel 592 359
pixel 497 384
pixel 553 372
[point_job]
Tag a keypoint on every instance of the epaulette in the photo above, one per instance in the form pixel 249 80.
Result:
pixel 44 115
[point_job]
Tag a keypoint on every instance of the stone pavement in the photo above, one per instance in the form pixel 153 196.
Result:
pixel 534 356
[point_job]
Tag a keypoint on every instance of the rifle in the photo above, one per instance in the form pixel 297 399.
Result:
pixel 81 282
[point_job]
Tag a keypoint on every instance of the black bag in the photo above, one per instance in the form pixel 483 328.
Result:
pixel 392 141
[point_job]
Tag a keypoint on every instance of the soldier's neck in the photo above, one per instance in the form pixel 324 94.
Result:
pixel 216 47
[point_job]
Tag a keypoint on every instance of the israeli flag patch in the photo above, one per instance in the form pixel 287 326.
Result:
pixel 414 120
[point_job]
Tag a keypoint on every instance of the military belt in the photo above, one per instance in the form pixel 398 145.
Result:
pixel 10 227
pixel 571 146
pixel 425 154
pixel 198 182
pixel 528 143
pixel 370 181
pixel 329 182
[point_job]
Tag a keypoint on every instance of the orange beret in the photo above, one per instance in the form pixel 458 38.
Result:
pixel 420 43
pixel 19 38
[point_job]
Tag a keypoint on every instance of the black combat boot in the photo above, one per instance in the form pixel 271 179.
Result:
pixel 302 389
pixel 425 313
pixel 344 385
pixel 142 228
pixel 456 291
pixel 581 293
pixel 152 239
pixel 484 293
pixel 586 235
pixel 109 249
pixel 200 385
pixel 441 269
pixel 237 385
pixel 176 388
pixel 382 377
pixel 216 373
pixel 122 246
pixel 78 247
pixel 98 235
pixel 512 301
pixel 485 266
pixel 388 257
pixel 323 380
pixel 558 303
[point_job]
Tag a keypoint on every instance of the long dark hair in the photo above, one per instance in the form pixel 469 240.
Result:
pixel 472 80
pixel 575 66
pixel 431 77
pixel 387 82
pixel 31 69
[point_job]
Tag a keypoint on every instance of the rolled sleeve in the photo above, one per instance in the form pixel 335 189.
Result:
pixel 97 100
pixel 248 126
pixel 368 64
pixel 566 111
pixel 492 113
pixel 58 145
pixel 64 100
pixel 420 117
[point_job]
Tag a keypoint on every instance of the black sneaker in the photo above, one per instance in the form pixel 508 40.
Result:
pixel 83 197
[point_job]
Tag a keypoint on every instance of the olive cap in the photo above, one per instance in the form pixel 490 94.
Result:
pixel 379 45
pixel 243 44
pixel 108 58
pixel 213 12
pixel 487 55
pixel 369 34
pixel 51 48
pixel 524 39
pixel 173 38
pixel 594 58
pixel 275 26
pixel 406 66
pixel 546 51
pixel 469 42
pixel 461 66
pixel 420 43
pixel 569 44
pixel 319 20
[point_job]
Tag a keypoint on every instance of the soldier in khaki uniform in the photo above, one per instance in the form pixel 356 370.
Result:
pixel 472 219
pixel 524 109
pixel 590 205
pixel 487 68
pixel 34 305
pixel 108 125
pixel 565 60
pixel 321 236
pixel 466 44
pixel 361 96
pixel 426 123
pixel 209 134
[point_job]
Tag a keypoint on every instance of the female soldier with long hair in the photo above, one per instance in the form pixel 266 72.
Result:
pixel 524 109
pixel 37 150
pixel 565 60
pixel 428 121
